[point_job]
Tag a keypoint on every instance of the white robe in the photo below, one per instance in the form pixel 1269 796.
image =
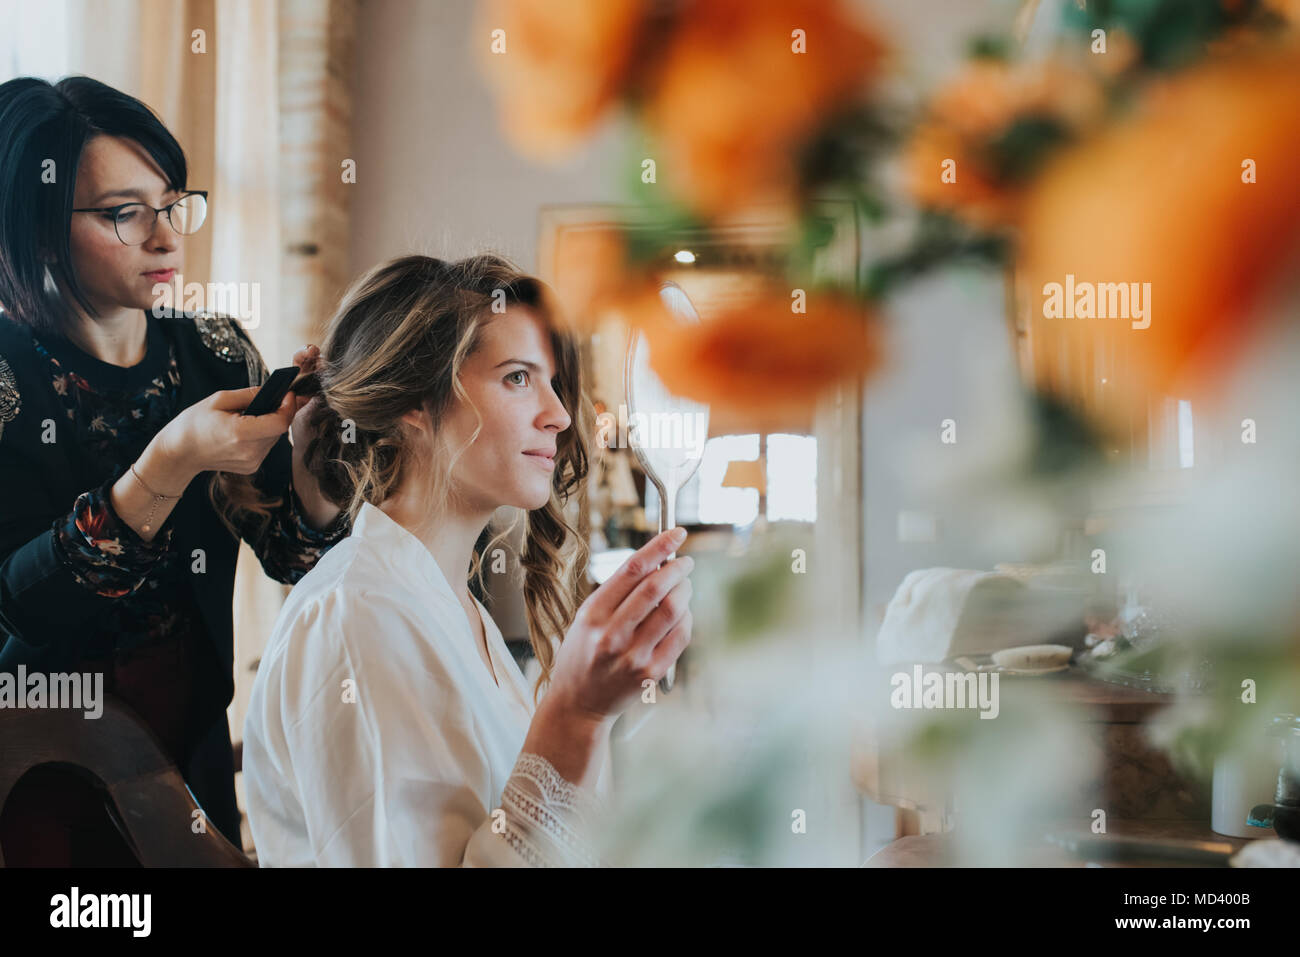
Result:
pixel 376 736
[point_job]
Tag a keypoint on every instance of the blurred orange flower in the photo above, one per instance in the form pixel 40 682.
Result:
pixel 965 121
pixel 1288 10
pixel 592 274
pixel 757 361
pixel 734 102
pixel 564 63
pixel 596 279
pixel 1196 194
pixel 1122 53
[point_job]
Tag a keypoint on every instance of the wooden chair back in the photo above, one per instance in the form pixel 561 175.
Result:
pixel 153 807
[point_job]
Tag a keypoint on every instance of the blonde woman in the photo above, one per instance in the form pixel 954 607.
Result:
pixel 389 724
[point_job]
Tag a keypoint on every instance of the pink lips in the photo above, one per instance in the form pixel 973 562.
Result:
pixel 161 275
pixel 543 457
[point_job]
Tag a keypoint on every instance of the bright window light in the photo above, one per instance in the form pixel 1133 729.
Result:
pixel 604 564
pixel 704 501
pixel 35 40
pixel 791 478
pixel 1184 434
pixel 791 483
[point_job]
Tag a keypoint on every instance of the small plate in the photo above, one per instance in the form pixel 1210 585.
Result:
pixel 980 663
pixel 1034 659
pixel 1035 672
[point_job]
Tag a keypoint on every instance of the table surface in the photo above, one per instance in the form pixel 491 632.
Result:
pixel 1108 701
pixel 1100 703
pixel 1115 703
pixel 937 850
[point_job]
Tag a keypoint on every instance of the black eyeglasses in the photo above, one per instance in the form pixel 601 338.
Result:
pixel 134 222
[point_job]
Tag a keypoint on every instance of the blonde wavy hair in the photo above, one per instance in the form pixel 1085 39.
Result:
pixel 397 343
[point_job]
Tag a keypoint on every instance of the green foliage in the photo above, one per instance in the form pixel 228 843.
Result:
pixel 758 597
pixel 990 47
pixel 662 223
pixel 1063 442
pixel 1022 148
pixel 940 241
pixel 848 149
pixel 1169 33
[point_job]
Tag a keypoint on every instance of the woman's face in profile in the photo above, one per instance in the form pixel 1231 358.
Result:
pixel 114 170
pixel 509 380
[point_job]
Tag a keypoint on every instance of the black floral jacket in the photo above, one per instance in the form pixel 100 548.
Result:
pixel 67 561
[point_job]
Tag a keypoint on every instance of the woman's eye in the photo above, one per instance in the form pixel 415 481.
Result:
pixel 126 215
pixel 522 372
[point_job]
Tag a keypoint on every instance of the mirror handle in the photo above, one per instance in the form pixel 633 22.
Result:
pixel 667 520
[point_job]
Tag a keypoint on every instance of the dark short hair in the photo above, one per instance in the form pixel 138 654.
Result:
pixel 42 121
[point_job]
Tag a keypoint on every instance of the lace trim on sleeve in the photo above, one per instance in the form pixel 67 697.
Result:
pixel 549 821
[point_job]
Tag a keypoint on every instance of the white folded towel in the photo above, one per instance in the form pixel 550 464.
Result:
pixel 940 613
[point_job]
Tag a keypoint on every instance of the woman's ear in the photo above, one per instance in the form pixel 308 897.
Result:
pixel 417 419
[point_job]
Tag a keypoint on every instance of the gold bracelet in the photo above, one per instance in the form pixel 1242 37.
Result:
pixel 157 497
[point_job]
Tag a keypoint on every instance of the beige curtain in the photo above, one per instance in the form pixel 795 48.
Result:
pixel 246 248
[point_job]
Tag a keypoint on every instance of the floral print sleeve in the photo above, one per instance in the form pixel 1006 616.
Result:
pixel 289 546
pixel 101 551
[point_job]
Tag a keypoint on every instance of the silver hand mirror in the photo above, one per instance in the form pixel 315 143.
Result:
pixel 666 432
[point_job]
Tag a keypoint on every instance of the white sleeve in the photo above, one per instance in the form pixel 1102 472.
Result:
pixel 388 765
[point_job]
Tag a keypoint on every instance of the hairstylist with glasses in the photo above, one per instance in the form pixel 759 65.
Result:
pixel 127 474
pixel 134 223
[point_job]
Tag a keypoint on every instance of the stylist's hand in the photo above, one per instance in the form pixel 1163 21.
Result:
pixel 628 631
pixel 306 359
pixel 212 436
